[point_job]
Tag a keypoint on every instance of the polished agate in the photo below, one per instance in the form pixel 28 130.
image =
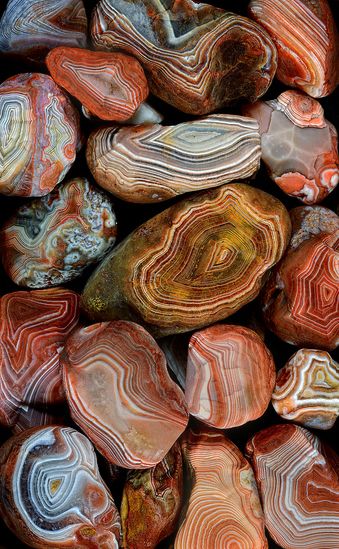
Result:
pixel 298 482
pixel 230 376
pixel 197 57
pixel 307 389
pixel 30 28
pixel 39 135
pixel 151 502
pixel 301 298
pixel 152 163
pixel 306 38
pixel 224 508
pixel 193 264
pixel 33 329
pixel 52 239
pixel 299 146
pixel 120 393
pixel 52 494
pixel 309 221
pixel 111 86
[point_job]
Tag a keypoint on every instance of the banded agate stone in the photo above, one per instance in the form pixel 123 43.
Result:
pixel 299 146
pixel 30 28
pixel 120 393
pixel 151 163
pixel 230 376
pixel 224 508
pixel 306 38
pixel 151 502
pixel 39 135
pixel 110 85
pixel 33 329
pixel 52 239
pixel 309 221
pixel 52 494
pixel 299 486
pixel 307 389
pixel 196 57
pixel 193 264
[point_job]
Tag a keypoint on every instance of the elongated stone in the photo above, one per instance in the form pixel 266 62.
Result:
pixel 51 491
pixel 30 28
pixel 39 135
pixel 152 163
pixel 110 85
pixel 224 507
pixel 306 38
pixel 230 376
pixel 121 395
pixel 196 57
pixel 33 329
pixel 307 389
pixel 151 502
pixel 309 221
pixel 299 486
pixel 52 239
pixel 193 264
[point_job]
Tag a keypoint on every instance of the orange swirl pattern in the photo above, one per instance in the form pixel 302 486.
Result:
pixel 52 494
pixel 193 264
pixel 301 298
pixel 230 376
pixel 307 389
pixel 121 395
pixel 151 163
pixel 33 328
pixel 299 486
pixel 197 57
pixel 39 135
pixel 306 38
pixel 224 508
pixel 110 85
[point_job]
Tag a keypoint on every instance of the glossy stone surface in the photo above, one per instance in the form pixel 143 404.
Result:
pixel 52 239
pixel 193 264
pixel 306 39
pixel 301 298
pixel 196 57
pixel 52 494
pixel 120 393
pixel 307 389
pixel 308 221
pixel 151 502
pixel 110 85
pixel 33 328
pixel 151 163
pixel 298 482
pixel 230 376
pixel 30 28
pixel 299 146
pixel 224 508
pixel 39 146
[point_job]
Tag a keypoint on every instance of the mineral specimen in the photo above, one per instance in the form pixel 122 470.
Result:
pixel 121 395
pixel 110 85
pixel 151 502
pixel 151 163
pixel 30 28
pixel 51 491
pixel 39 135
pixel 308 221
pixel 33 328
pixel 230 376
pixel 50 240
pixel 306 39
pixel 299 485
pixel 299 147
pixel 193 264
pixel 196 57
pixel 307 389
pixel 224 508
